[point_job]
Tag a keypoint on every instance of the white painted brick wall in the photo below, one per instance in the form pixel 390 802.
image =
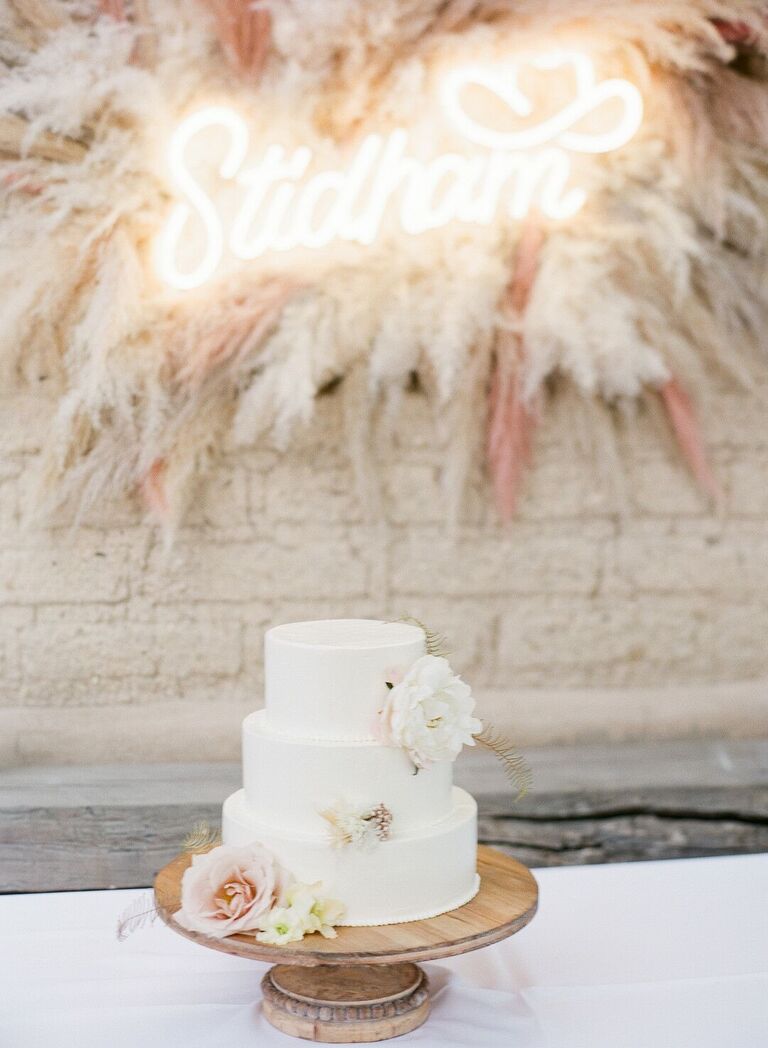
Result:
pixel 580 619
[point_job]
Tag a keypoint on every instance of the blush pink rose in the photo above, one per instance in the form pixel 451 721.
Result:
pixel 229 890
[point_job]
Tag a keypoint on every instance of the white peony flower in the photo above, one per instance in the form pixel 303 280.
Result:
pixel 429 713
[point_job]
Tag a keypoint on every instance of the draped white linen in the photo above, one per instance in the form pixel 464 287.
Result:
pixel 642 955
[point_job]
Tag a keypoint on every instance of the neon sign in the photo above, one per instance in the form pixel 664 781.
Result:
pixel 284 202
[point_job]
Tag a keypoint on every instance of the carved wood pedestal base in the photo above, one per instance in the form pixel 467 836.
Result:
pixel 350 1004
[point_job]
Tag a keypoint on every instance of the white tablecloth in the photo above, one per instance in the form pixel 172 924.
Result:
pixel 643 955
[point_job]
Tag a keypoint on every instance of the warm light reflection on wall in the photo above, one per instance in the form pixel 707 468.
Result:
pixel 284 203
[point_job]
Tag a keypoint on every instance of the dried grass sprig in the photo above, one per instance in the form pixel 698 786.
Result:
pixel 140 913
pixel 514 765
pixel 201 838
pixel 14 132
pixel 435 642
pixel 40 13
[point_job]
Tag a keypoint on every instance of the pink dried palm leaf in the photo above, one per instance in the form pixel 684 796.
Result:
pixel 736 32
pixel 685 427
pixel 510 439
pixel 20 181
pixel 114 9
pixel 239 332
pixel 503 385
pixel 511 420
pixel 244 30
pixel 524 273
pixel 152 489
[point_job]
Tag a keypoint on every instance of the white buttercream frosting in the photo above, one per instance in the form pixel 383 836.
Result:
pixel 313 748
pixel 327 679
pixel 289 780
pixel 406 878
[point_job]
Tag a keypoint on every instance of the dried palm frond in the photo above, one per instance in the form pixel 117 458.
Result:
pixel 138 914
pixel 515 766
pixel 687 432
pixel 201 838
pixel 659 281
pixel 435 642
pixel 244 31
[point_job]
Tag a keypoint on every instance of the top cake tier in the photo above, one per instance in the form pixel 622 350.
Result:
pixel 327 679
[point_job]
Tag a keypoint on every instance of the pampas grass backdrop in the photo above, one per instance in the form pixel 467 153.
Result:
pixel 655 288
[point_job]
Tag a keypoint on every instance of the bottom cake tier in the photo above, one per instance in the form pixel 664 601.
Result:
pixel 407 878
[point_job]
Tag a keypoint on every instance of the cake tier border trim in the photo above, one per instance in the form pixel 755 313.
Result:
pixel 425 916
pixel 462 802
pixel 265 728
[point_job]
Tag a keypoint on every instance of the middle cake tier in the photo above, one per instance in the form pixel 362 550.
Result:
pixel 289 780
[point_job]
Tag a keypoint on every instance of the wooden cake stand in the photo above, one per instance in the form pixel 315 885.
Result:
pixel 364 985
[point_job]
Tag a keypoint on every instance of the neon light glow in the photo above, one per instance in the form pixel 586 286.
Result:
pixel 284 203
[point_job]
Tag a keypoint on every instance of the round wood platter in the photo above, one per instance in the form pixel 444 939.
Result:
pixel 364 985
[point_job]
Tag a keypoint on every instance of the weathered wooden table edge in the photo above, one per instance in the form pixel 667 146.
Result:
pixel 115 826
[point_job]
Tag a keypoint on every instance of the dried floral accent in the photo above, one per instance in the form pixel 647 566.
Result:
pixel 515 766
pixel 140 913
pixel 201 838
pixel 116 414
pixel 349 826
pixel 435 642
pixel 381 819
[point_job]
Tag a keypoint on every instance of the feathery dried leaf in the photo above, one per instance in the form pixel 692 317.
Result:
pixel 435 642
pixel 138 914
pixel 201 838
pixel 515 766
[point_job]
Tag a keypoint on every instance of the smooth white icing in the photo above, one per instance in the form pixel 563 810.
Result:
pixel 408 878
pixel 327 679
pixel 313 747
pixel 288 780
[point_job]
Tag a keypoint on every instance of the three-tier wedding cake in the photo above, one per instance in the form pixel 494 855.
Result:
pixel 348 770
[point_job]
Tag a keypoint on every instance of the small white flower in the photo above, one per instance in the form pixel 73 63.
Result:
pixel 429 713
pixel 282 925
pixel 305 911
pixel 322 913
pixel 329 912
